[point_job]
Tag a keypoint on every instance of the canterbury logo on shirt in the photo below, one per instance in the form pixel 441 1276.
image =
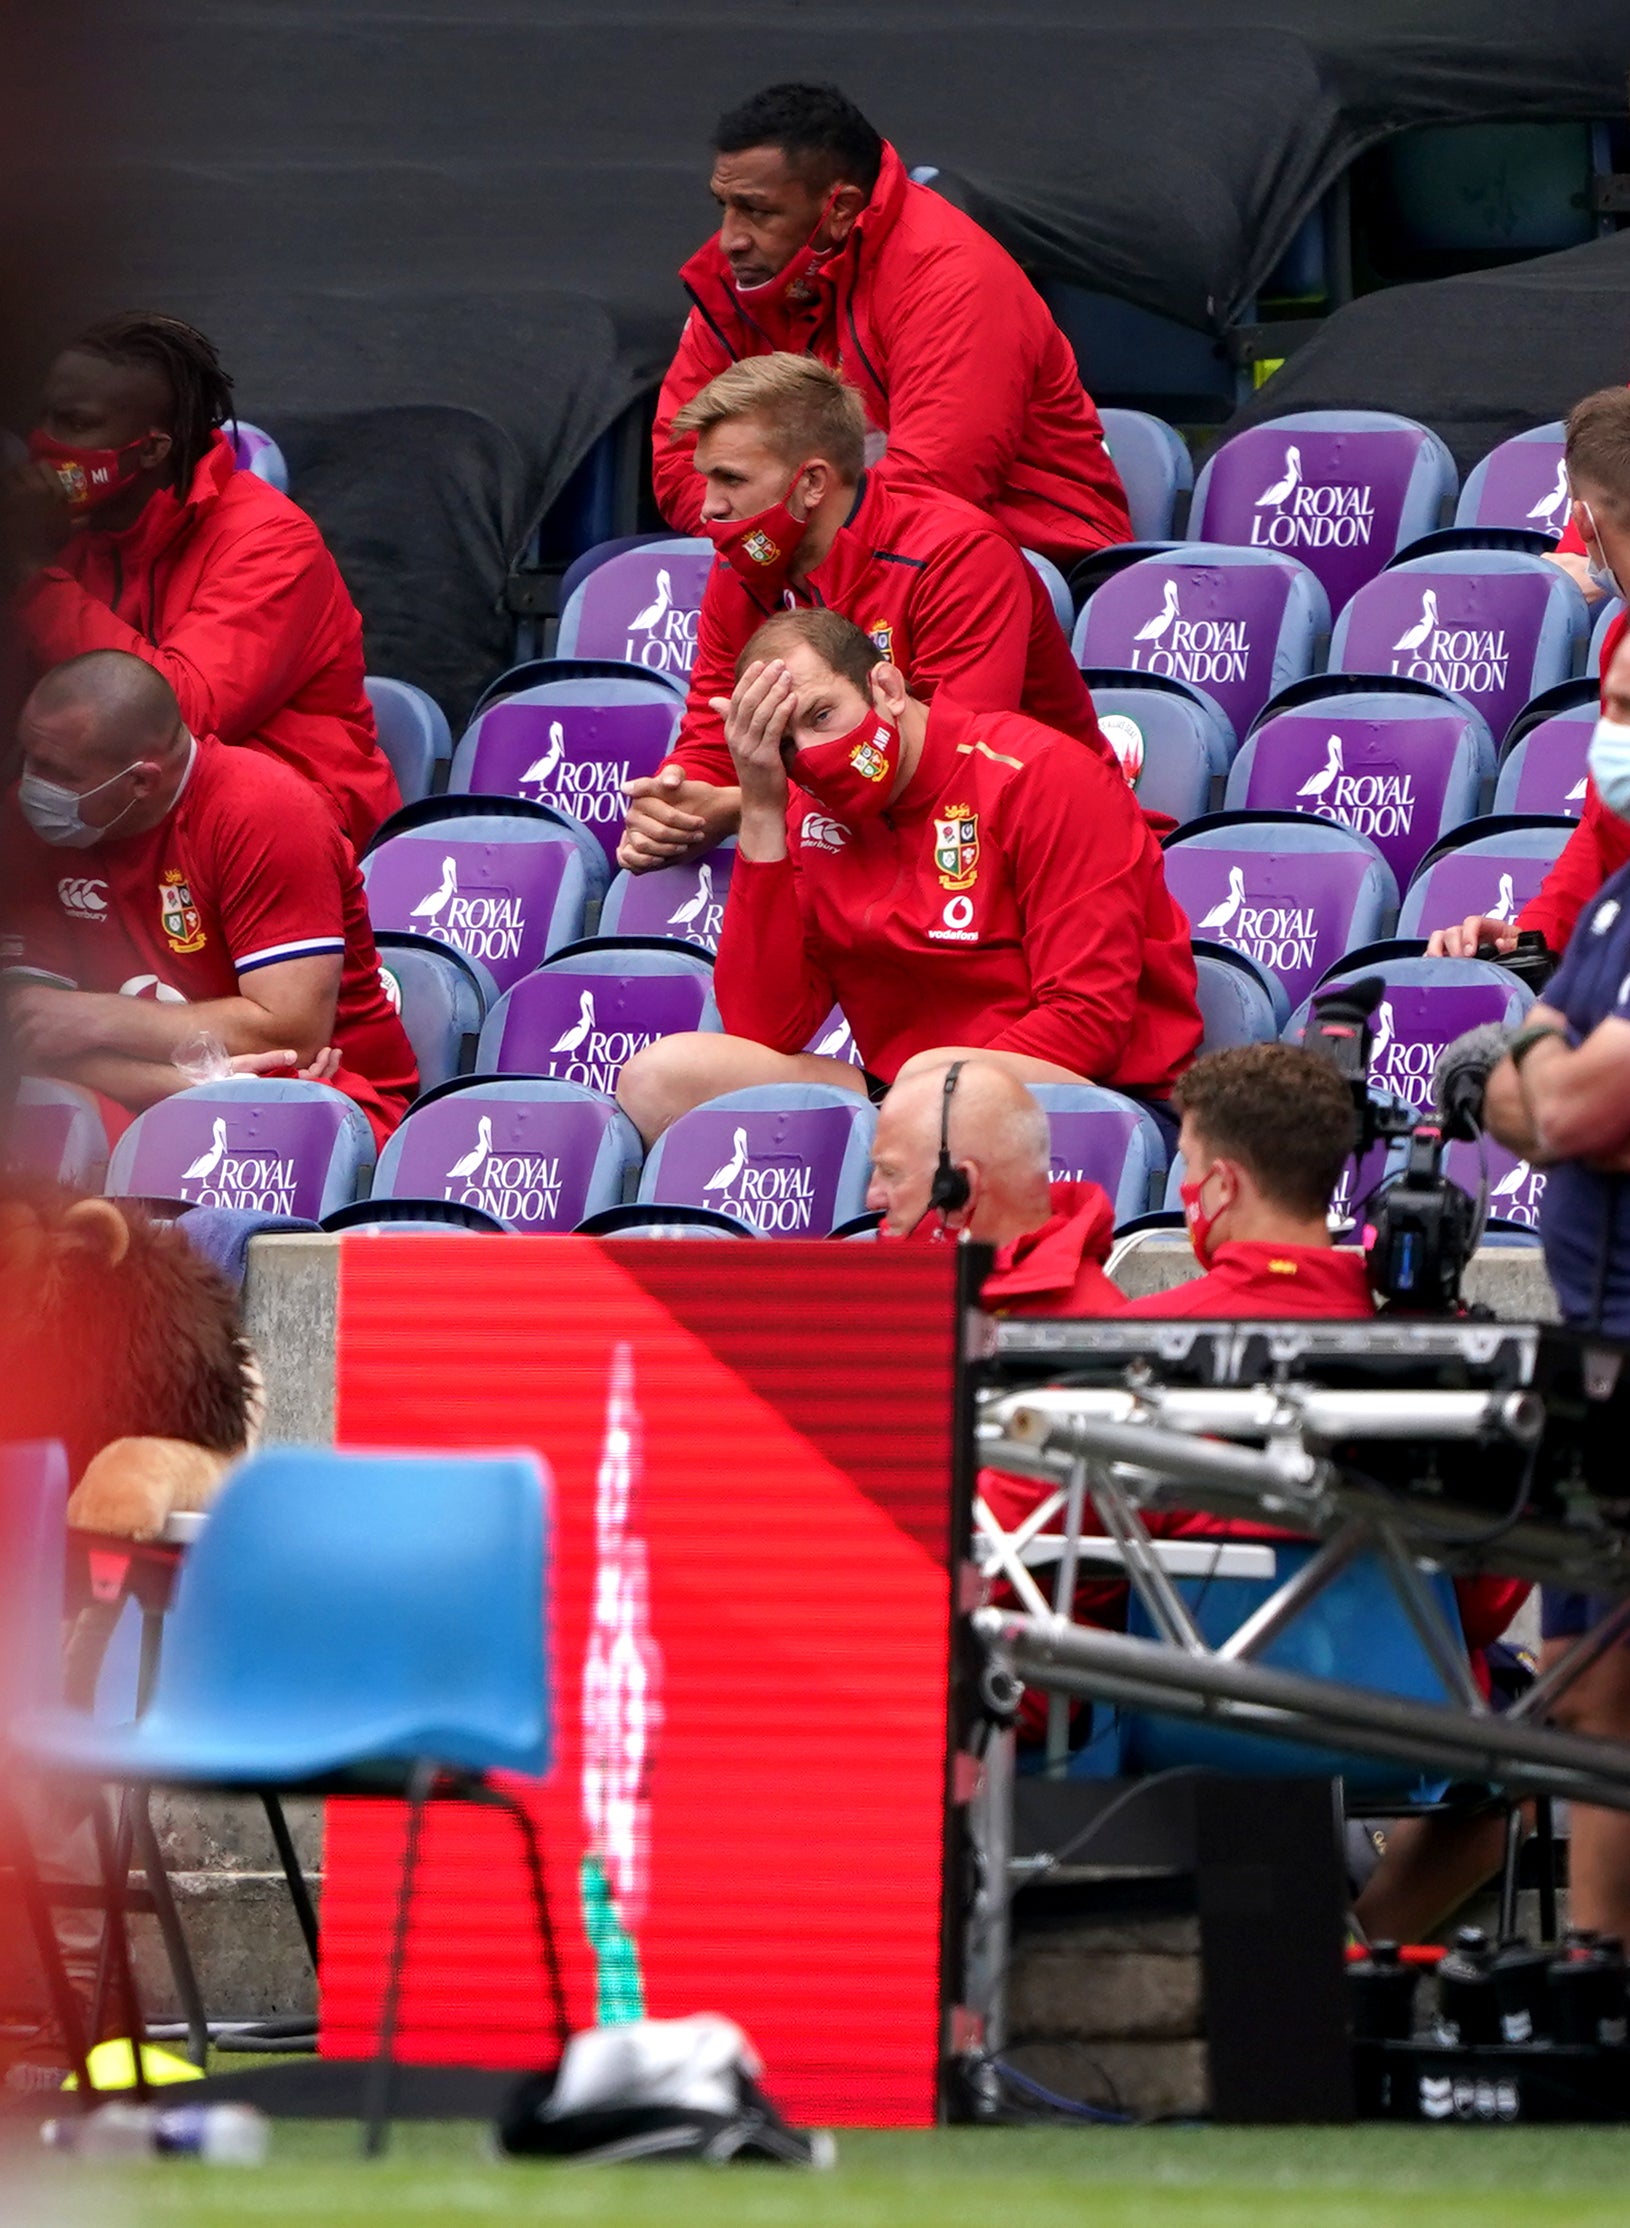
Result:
pixel 85 899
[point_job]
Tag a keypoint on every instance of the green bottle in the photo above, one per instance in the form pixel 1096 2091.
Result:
pixel 619 1985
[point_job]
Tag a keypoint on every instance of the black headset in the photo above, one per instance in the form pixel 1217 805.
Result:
pixel 949 1190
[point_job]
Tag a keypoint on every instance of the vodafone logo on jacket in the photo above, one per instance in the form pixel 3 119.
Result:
pixel 85 899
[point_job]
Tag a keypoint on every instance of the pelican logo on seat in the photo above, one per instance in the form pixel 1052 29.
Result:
pixel 250 1182
pixel 487 924
pixel 661 636
pixel 1292 514
pixel 699 917
pixel 1202 651
pixel 1376 805
pixel 518 1188
pixel 85 899
pixel 777 1195
pixel 1470 661
pixel 1547 513
pixel 590 789
pixel 1518 1193
pixel 585 1053
pixel 1404 1065
pixel 1281 937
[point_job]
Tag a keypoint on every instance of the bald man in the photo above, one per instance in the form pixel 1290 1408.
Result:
pixel 1050 1239
pixel 160 885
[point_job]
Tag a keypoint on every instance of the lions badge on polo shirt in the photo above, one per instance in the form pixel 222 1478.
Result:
pixel 956 847
pixel 178 916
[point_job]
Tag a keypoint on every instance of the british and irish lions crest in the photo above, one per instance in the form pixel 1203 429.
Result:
pixel 956 847
pixel 622 1714
pixel 179 917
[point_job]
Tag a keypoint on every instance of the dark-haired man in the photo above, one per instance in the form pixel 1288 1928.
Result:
pixel 826 248
pixel 132 529
pixel 959 882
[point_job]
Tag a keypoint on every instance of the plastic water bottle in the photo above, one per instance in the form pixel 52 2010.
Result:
pixel 1468 2009
pixel 220 2134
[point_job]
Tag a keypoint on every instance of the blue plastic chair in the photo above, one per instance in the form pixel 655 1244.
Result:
pixel 350 1624
pixel 1155 466
pixel 1056 586
pixel 413 733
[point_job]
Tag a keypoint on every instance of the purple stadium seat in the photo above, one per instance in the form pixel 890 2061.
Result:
pixel 1293 895
pixel 506 891
pixel 1544 770
pixel 536 1155
pixel 256 1144
pixel 792 1159
pixel 1240 624
pixel 1494 874
pixel 571 745
pixel 56 1130
pixel 1521 483
pixel 1099 1137
pixel 581 1017
pixel 682 901
pixel 1515 1188
pixel 1427 1004
pixel 258 453
pixel 640 607
pixel 835 1040
pixel 1341 490
pixel 1397 769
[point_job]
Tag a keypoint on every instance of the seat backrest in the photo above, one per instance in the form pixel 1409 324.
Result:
pixel 572 745
pixel 1545 770
pixel 506 891
pixel 1611 612
pixel 1291 896
pixel 56 1130
pixel 1342 490
pixel 1099 1137
pixel 401 1597
pixel 1057 587
pixel 1236 999
pixel 682 901
pixel 581 1018
pixel 835 1040
pixel 1516 1187
pixel 1494 875
pixel 1523 482
pixel 538 1156
pixel 442 996
pixel 792 1159
pixel 1153 461
pixel 1167 744
pixel 413 733
pixel 1397 769
pixel 1492 626
pixel 640 607
pixel 258 453
pixel 1427 1004
pixel 1240 624
pixel 256 1143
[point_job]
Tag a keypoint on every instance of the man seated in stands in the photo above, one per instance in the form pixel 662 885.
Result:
pixel 957 881
pixel 825 248
pixel 133 530
pixel 798 520
pixel 962 1150
pixel 1598 458
pixel 161 885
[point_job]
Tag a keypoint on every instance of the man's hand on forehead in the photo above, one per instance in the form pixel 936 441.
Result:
pixel 756 718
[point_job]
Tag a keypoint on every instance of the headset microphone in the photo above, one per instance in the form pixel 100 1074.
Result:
pixel 949 1191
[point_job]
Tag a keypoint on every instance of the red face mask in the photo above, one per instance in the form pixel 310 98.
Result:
pixel 90 477
pixel 853 775
pixel 762 547
pixel 1198 1220
pixel 790 287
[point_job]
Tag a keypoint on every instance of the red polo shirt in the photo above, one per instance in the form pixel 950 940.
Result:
pixel 1270 1280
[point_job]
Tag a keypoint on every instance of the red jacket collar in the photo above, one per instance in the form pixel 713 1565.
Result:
pixel 949 725
pixel 707 274
pixel 166 511
pixel 1077 1234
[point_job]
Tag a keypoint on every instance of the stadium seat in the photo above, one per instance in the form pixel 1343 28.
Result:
pixel 640 608
pixel 686 901
pixel 591 1008
pixel 1492 626
pixel 1612 611
pixel 1289 892
pixel 1100 1137
pixel 413 733
pixel 1515 1187
pixel 1397 769
pixel 502 888
pixel 792 1159
pixel 1523 483
pixel 442 995
pixel 649 1220
pixel 1494 873
pixel 1544 769
pixel 535 1155
pixel 56 1130
pixel 1240 1001
pixel 257 452
pixel 570 744
pixel 378 1218
pixel 1240 624
pixel 1057 587
pixel 1153 461
pixel 1173 741
pixel 835 1040
pixel 601 553
pixel 1341 490
pixel 255 1143
pixel 1427 1004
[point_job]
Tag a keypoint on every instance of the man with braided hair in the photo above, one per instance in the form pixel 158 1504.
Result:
pixel 132 529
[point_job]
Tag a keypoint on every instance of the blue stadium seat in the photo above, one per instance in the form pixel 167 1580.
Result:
pixel 791 1159
pixel 1173 741
pixel 1156 469
pixel 1543 769
pixel 1523 482
pixel 571 744
pixel 1494 874
pixel 255 1143
pixel 640 607
pixel 397 1218
pixel 56 1130
pixel 650 1219
pixel 442 995
pixel 1240 1001
pixel 534 1154
pixel 1427 1004
pixel 585 1012
pixel 686 901
pixel 1612 611
pixel 1057 587
pixel 1241 624
pixel 1100 1137
pixel 413 733
pixel 258 453
pixel 506 888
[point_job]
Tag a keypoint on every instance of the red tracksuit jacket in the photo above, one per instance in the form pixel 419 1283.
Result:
pixel 954 354
pixel 231 592
pixel 1598 847
pixel 940 590
pixel 1013 897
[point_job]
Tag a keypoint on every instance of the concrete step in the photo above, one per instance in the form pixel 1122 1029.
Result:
pixel 246 1947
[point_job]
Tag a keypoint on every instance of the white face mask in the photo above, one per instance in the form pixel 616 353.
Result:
pixel 1609 761
pixel 1604 581
pixel 52 810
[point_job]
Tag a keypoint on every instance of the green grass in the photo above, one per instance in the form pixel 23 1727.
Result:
pixel 1368 2177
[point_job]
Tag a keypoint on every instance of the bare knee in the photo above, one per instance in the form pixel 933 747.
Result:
pixel 668 1078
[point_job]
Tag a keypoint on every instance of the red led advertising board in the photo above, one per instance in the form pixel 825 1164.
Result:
pixel 749 1621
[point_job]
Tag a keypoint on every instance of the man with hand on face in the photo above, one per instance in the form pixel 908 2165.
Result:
pixel 825 248
pixel 959 882
pixel 1598 460
pixel 799 522
pixel 132 529
pixel 159 886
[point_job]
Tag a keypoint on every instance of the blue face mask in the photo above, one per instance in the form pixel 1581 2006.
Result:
pixel 53 813
pixel 1609 761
